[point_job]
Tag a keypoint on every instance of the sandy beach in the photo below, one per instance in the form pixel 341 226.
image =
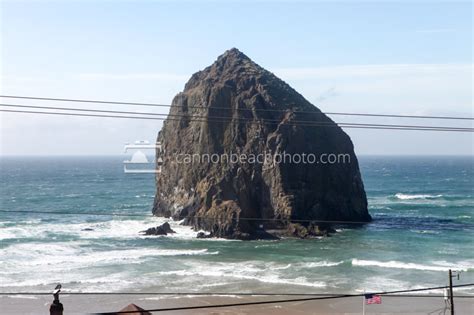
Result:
pixel 95 303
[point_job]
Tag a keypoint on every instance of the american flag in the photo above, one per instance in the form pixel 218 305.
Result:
pixel 373 299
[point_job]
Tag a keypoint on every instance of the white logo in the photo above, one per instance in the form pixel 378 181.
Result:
pixel 140 162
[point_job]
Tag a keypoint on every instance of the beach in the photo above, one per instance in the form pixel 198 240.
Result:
pixel 352 305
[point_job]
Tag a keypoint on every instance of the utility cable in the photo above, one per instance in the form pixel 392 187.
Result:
pixel 280 301
pixel 226 108
pixel 228 118
pixel 344 125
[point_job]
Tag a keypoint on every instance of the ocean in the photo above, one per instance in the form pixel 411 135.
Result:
pixel 423 211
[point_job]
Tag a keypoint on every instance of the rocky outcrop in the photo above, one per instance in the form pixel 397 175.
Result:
pixel 236 108
pixel 163 229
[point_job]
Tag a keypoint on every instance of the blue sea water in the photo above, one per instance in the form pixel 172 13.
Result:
pixel 423 210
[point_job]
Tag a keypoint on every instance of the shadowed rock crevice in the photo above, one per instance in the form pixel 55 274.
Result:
pixel 220 197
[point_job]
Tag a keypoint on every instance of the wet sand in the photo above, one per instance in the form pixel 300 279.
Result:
pixel 79 304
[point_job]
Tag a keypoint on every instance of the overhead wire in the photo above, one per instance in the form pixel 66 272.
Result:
pixel 183 308
pixel 242 109
pixel 231 119
pixel 253 294
pixel 309 124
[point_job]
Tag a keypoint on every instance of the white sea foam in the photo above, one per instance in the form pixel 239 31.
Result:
pixel 402 196
pixel 90 282
pixel 257 271
pixel 449 251
pixel 281 267
pixel 70 262
pixel 190 296
pixel 425 231
pixel 380 283
pixel 436 266
pixel 8 233
pixel 317 264
pixel 301 281
pixel 33 254
pixel 120 229
pixel 463 265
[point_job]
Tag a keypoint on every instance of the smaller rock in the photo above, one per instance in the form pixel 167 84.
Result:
pixel 203 235
pixel 87 229
pixel 163 229
pixel 298 230
pixel 320 230
pixel 261 234
pixel 167 228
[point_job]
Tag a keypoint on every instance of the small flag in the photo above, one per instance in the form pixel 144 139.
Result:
pixel 373 299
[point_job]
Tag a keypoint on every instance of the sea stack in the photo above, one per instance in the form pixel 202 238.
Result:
pixel 235 109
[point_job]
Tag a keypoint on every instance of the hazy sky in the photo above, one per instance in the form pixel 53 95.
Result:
pixel 399 57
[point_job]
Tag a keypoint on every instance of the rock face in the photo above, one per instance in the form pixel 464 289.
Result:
pixel 237 108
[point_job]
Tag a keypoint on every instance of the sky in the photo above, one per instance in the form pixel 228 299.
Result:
pixel 400 57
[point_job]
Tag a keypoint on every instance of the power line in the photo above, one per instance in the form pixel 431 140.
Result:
pixel 223 294
pixel 228 118
pixel 243 109
pixel 427 296
pixel 94 110
pixel 173 293
pixel 278 301
pixel 345 125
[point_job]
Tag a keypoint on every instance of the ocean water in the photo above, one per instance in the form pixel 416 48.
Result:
pixel 423 210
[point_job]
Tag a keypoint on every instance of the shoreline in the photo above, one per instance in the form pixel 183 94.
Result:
pixel 80 304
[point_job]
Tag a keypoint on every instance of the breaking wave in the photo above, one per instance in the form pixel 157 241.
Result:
pixel 402 196
pixel 112 229
pixel 439 266
pixel 324 263
pixel 260 273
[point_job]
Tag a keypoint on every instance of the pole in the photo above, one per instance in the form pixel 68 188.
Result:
pixel 451 298
pixel 56 308
pixel 363 304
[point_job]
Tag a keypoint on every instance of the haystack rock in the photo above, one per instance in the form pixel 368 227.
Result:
pixel 233 109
